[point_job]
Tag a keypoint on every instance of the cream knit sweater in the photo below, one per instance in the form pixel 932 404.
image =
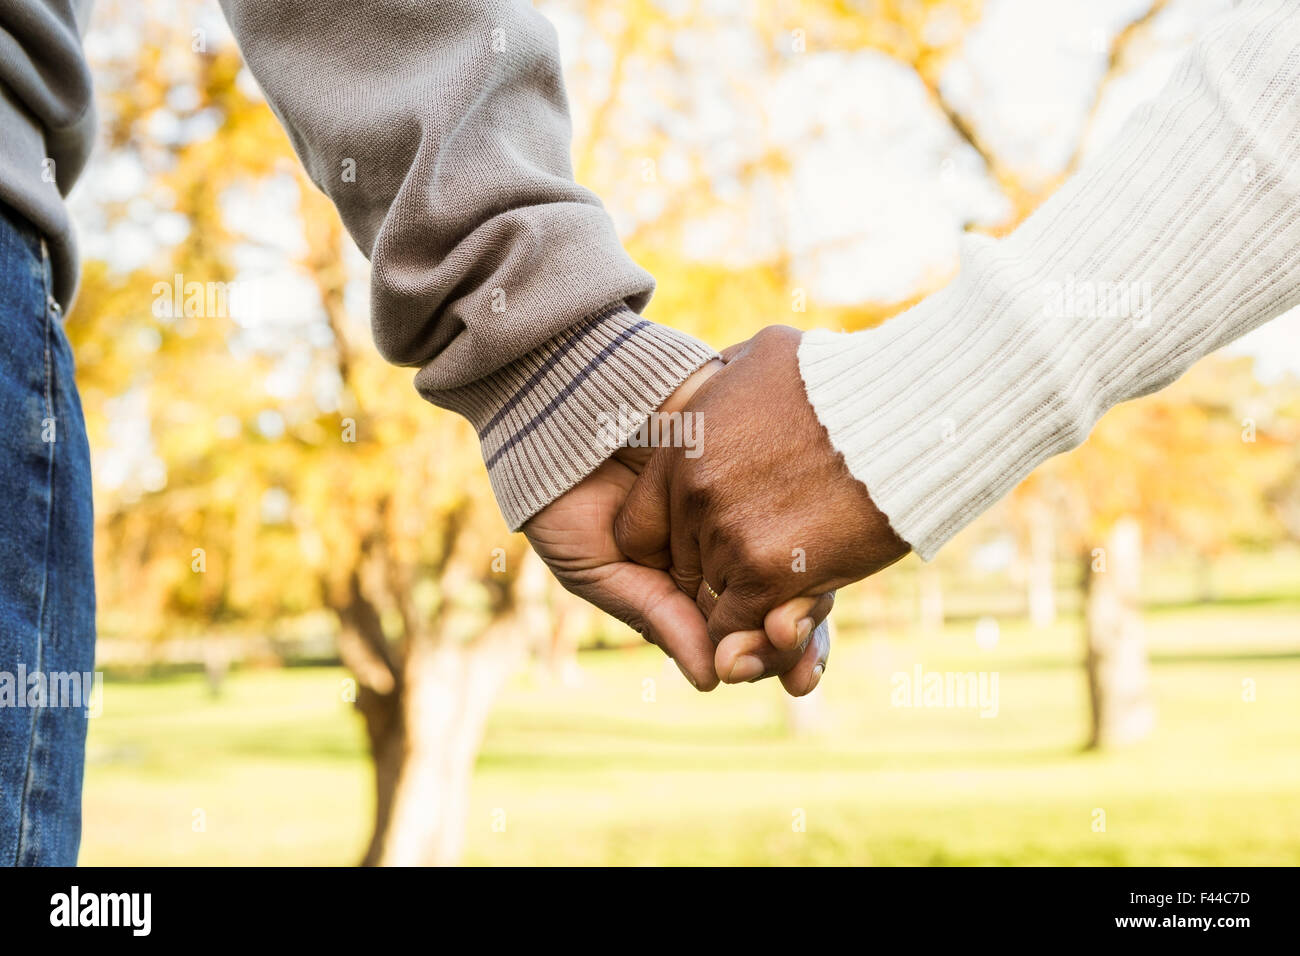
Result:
pixel 1182 236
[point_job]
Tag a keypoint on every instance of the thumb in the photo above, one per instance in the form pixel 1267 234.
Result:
pixel 791 624
pixel 641 528
pixel 649 601
pixel 738 610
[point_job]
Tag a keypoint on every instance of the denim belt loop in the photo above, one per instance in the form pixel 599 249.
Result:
pixel 47 270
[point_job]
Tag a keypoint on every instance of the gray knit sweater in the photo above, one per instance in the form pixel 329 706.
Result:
pixel 441 133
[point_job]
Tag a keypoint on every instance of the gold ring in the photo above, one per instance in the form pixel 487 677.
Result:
pixel 712 593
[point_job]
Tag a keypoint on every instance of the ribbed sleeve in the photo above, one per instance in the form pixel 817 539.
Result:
pixel 1183 235
pixel 548 419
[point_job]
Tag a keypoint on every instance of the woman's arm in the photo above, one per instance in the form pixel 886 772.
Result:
pixel 1183 235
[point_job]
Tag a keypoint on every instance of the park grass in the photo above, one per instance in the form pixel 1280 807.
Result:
pixel 633 767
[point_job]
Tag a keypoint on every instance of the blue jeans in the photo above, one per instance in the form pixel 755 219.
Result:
pixel 47 585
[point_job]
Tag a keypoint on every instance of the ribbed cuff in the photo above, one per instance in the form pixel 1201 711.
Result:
pixel 550 418
pixel 944 409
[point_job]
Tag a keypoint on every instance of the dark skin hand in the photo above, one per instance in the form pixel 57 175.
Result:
pixel 768 512
pixel 574 535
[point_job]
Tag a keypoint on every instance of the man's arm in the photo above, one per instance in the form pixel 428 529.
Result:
pixel 441 133
pixel 440 130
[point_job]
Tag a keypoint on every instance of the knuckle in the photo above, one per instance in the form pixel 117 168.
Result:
pixel 685 580
pixel 776 333
pixel 696 492
pixel 755 564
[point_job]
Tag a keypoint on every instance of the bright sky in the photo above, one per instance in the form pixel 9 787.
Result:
pixel 1027 76
pixel 880 186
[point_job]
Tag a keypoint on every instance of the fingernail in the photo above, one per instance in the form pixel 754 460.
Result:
pixel 746 667
pixel 687 675
pixel 816 677
pixel 803 630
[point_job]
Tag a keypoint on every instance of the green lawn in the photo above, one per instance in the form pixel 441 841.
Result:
pixel 275 770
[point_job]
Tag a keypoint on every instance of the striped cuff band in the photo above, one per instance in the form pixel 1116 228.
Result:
pixel 551 417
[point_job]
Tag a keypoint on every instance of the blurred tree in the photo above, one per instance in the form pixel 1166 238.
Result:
pixel 1119 680
pixel 285 467
pixel 269 466
pixel 1189 467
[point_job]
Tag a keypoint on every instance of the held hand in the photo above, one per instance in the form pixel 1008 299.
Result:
pixel 574 535
pixel 768 512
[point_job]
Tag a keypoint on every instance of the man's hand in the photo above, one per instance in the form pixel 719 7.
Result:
pixel 574 535
pixel 768 512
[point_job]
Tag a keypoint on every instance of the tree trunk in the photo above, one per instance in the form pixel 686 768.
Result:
pixel 216 663
pixel 1118 674
pixel 425 730
pixel 427 738
pixel 446 697
pixel 384 727
pixel 1042 560
pixel 375 690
